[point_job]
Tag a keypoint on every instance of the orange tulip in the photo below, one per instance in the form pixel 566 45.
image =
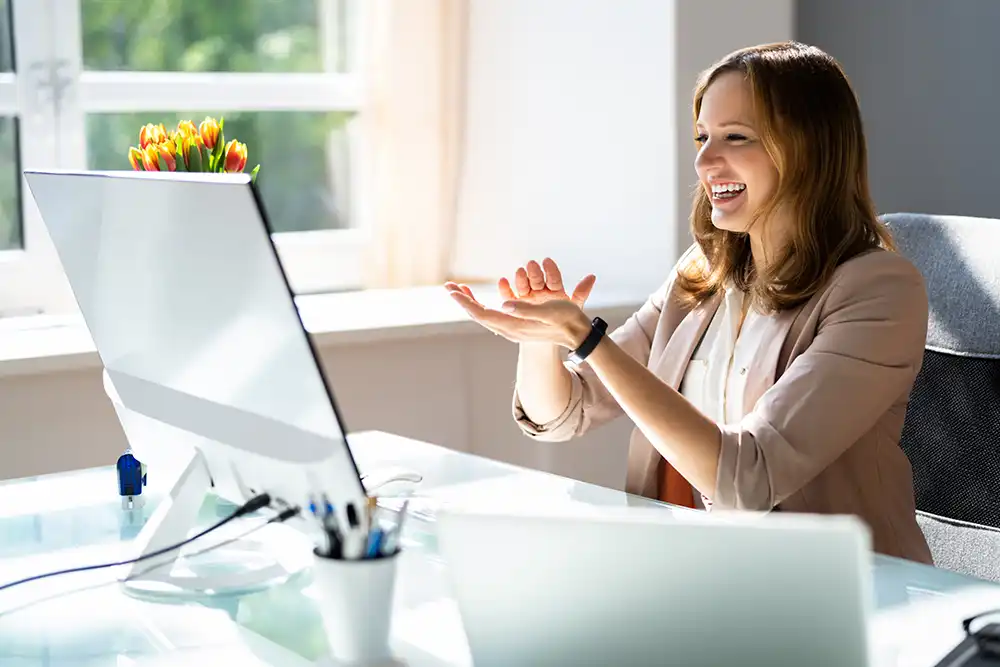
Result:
pixel 152 134
pixel 167 153
pixel 236 156
pixel 151 158
pixel 186 129
pixel 135 158
pixel 209 131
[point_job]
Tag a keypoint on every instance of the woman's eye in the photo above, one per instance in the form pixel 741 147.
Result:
pixel 735 137
pixel 700 139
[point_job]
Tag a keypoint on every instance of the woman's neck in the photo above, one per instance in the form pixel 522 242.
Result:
pixel 765 244
pixel 761 253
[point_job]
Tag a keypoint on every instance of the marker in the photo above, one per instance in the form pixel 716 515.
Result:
pixel 354 535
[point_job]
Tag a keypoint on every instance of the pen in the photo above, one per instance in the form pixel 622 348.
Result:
pixel 374 543
pixel 333 547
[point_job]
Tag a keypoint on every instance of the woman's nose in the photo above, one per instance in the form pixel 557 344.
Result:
pixel 707 157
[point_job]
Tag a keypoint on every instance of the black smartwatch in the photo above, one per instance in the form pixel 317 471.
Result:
pixel 597 330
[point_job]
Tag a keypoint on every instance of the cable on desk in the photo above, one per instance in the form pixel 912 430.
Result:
pixel 285 515
pixel 280 518
pixel 252 505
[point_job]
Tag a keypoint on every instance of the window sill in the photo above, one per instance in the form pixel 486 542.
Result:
pixel 40 344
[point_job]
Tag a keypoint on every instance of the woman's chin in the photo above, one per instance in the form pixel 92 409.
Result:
pixel 730 222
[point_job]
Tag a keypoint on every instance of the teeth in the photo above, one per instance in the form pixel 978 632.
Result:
pixel 728 187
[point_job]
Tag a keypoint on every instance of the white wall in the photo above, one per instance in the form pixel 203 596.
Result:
pixel 578 139
pixel 569 139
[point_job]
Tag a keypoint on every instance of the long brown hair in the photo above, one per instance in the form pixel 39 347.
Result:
pixel 810 124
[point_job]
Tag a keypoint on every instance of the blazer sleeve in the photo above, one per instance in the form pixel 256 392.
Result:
pixel 590 404
pixel 864 358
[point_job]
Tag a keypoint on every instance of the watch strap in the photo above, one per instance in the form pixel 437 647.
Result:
pixel 598 328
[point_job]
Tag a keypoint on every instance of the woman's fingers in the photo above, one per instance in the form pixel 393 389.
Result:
pixel 536 279
pixel 511 327
pixel 521 282
pixel 455 288
pixel 506 291
pixel 553 276
pixel 583 289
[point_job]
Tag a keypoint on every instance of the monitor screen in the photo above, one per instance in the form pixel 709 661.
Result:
pixel 188 306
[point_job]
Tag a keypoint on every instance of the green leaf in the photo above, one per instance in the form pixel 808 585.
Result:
pixel 218 157
pixel 179 154
pixel 253 174
pixel 206 158
pixel 194 157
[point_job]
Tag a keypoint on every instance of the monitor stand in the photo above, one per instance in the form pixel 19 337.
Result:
pixel 242 566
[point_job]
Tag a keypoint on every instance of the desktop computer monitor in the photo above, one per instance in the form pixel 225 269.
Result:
pixel 204 351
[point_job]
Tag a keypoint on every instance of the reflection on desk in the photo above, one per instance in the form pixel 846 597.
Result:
pixel 69 519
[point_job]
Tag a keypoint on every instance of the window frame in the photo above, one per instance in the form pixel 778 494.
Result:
pixel 57 94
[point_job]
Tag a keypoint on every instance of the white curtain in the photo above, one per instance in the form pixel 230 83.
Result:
pixel 412 124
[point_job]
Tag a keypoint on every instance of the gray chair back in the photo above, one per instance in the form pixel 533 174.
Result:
pixel 952 429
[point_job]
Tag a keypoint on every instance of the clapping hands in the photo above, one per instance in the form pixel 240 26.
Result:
pixel 536 308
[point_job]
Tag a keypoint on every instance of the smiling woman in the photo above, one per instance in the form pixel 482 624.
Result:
pixel 773 367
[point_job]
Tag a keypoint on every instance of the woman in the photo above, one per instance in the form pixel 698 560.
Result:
pixel 772 369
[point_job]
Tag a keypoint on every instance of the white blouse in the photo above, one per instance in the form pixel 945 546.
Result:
pixel 716 376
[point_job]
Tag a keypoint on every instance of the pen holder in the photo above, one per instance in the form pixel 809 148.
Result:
pixel 355 600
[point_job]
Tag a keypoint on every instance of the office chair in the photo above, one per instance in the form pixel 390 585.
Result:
pixel 952 429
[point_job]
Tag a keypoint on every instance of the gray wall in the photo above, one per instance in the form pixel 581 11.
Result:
pixel 927 74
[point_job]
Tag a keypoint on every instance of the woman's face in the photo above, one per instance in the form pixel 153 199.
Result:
pixel 732 164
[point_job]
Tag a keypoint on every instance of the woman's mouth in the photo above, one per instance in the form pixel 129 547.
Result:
pixel 725 194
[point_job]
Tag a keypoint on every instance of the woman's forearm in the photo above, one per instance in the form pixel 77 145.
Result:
pixel 690 441
pixel 544 384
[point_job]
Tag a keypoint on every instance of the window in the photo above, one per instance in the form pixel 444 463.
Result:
pixel 78 78
pixel 10 196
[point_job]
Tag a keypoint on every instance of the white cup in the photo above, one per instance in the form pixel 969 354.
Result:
pixel 355 600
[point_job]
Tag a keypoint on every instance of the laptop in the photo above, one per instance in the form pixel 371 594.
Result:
pixel 649 586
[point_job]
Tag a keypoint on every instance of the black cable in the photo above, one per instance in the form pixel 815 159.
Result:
pixel 285 515
pixel 252 505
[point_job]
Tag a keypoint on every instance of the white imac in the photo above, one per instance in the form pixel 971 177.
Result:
pixel 206 359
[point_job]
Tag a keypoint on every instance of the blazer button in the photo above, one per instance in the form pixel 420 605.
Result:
pixel 743 371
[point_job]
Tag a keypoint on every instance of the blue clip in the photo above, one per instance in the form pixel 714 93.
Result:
pixel 131 477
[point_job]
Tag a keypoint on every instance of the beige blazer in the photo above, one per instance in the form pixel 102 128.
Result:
pixel 824 402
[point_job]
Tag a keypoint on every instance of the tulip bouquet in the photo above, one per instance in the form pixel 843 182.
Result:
pixel 189 148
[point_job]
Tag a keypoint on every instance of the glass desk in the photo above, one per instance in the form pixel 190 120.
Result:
pixel 85 620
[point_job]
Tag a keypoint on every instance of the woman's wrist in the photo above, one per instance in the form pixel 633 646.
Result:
pixel 577 331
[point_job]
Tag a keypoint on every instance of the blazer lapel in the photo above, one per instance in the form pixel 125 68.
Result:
pixel 643 460
pixel 682 343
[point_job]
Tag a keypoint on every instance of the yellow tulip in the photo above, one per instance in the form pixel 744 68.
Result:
pixel 151 158
pixel 236 156
pixel 150 135
pixel 135 158
pixel 209 131
pixel 186 129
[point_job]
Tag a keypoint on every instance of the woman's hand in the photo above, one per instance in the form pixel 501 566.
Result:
pixel 539 310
